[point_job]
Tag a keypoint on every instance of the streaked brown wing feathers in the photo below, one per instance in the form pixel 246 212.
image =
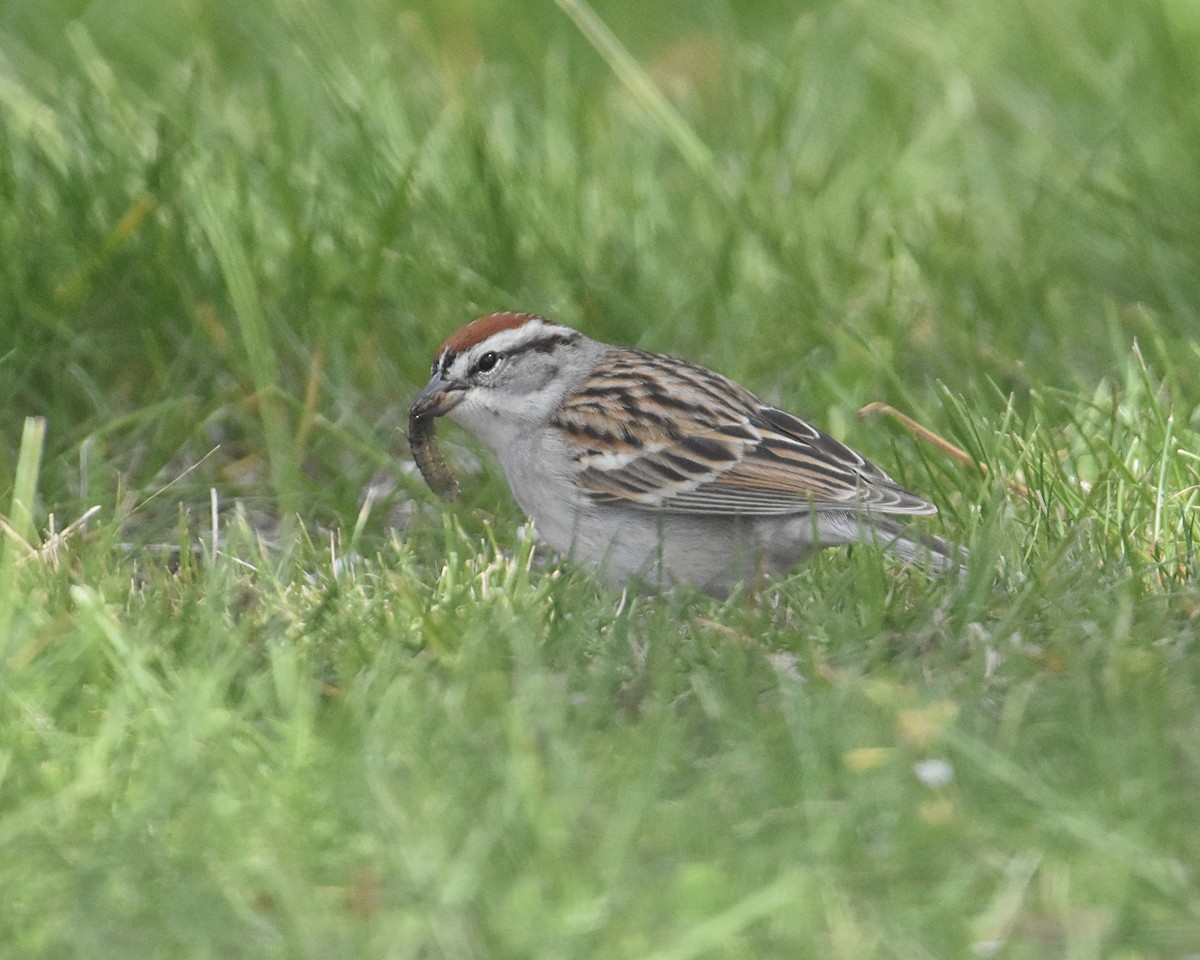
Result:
pixel 736 456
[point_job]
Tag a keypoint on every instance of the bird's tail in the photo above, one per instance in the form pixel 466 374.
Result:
pixel 936 555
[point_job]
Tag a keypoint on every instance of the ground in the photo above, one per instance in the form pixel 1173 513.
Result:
pixel 264 695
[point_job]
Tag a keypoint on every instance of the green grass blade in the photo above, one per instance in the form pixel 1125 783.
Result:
pixel 215 217
pixel 634 78
pixel 20 533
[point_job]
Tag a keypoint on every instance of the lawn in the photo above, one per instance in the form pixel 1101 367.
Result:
pixel 263 695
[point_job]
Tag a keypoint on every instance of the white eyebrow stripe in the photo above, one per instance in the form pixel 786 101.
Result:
pixel 530 332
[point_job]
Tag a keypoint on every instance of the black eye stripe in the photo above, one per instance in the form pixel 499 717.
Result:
pixel 487 362
pixel 548 343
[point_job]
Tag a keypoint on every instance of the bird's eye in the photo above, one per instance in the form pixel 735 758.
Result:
pixel 487 362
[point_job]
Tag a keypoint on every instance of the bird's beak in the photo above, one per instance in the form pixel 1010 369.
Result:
pixel 437 398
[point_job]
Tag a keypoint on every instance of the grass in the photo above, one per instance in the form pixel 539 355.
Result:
pixel 264 695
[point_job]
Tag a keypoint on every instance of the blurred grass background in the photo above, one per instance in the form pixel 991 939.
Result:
pixel 234 234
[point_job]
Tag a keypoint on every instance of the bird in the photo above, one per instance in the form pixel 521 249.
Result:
pixel 657 472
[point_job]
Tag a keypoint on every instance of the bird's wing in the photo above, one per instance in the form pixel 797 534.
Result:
pixel 689 440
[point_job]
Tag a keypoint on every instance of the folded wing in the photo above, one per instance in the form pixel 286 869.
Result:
pixel 692 441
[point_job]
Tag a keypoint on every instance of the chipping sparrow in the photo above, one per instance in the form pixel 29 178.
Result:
pixel 654 469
